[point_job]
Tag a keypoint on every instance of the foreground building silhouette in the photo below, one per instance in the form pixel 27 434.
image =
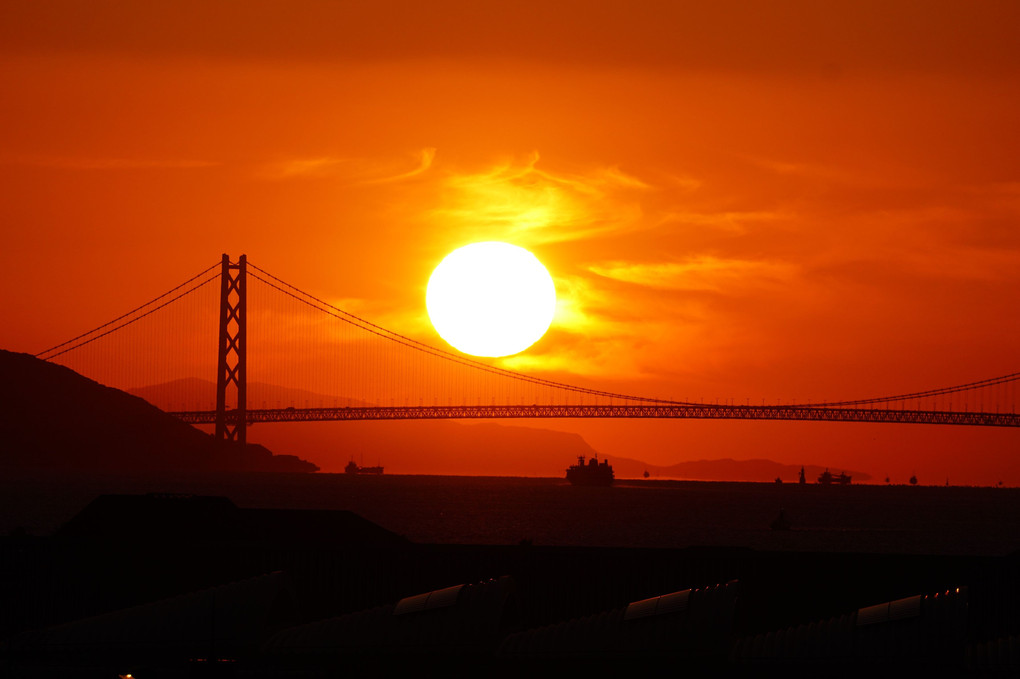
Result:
pixel 177 585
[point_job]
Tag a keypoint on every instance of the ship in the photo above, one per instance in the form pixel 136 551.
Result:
pixel 352 468
pixel 590 473
pixel 827 478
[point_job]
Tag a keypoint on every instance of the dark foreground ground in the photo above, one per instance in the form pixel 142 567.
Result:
pixel 526 575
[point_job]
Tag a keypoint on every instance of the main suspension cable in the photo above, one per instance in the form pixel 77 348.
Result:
pixel 126 323
pixel 123 316
pixel 969 386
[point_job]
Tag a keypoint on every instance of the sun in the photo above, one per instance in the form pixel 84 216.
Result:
pixel 491 299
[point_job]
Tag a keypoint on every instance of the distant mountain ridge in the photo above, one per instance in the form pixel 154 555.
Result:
pixel 195 393
pixel 53 419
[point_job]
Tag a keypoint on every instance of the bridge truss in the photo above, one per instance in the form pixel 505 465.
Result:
pixel 656 411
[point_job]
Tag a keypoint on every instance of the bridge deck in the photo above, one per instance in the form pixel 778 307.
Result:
pixel 667 411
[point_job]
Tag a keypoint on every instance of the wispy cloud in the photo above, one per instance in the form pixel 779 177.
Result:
pixel 601 330
pixel 352 171
pixel 307 167
pixel 517 200
pixel 425 158
pixel 698 273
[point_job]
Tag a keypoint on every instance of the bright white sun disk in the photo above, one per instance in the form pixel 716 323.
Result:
pixel 491 299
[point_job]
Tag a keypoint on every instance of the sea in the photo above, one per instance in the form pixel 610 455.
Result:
pixel 549 511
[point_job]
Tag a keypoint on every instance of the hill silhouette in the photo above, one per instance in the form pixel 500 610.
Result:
pixel 53 419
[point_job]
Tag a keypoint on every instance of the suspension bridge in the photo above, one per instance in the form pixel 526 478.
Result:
pixel 275 353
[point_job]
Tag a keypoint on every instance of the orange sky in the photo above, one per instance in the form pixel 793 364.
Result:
pixel 763 200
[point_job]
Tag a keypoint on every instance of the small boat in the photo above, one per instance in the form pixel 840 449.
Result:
pixel 590 473
pixel 352 468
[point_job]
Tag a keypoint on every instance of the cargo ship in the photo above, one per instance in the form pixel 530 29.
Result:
pixel 590 473
pixel 353 468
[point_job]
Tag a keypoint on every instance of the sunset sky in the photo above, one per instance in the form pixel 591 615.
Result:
pixel 747 200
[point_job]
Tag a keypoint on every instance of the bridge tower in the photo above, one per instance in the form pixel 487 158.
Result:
pixel 232 365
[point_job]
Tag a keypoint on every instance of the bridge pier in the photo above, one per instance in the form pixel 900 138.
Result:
pixel 232 363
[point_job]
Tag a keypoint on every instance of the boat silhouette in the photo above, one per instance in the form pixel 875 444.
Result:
pixel 590 473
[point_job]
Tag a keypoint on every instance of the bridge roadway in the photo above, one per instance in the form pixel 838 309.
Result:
pixel 659 410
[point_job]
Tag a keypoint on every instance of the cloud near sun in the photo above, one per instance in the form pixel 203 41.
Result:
pixel 517 201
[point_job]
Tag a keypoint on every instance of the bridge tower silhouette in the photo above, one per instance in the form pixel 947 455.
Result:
pixel 232 358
